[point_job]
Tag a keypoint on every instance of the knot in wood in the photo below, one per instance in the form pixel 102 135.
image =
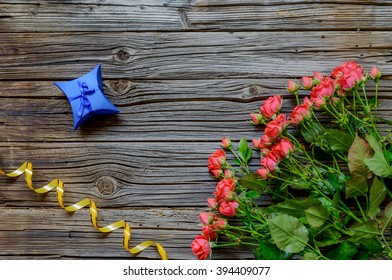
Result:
pixel 119 86
pixel 124 54
pixel 106 185
pixel 255 90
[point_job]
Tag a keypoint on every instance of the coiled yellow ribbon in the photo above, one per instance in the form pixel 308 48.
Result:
pixel 27 169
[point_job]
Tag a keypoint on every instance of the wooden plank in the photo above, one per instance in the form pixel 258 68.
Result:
pixel 202 55
pixel 48 121
pixel 121 15
pixel 114 175
pixel 98 16
pixel 171 110
pixel 290 15
pixel 37 233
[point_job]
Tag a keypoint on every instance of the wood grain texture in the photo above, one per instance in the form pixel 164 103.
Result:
pixel 52 233
pixel 196 55
pixel 183 73
pixel 121 15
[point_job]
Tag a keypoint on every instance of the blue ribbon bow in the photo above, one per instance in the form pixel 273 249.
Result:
pixel 84 101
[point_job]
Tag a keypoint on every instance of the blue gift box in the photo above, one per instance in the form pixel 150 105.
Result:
pixel 85 94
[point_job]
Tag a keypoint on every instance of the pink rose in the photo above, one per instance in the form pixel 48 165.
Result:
pixel 276 127
pixel 307 82
pixel 216 161
pixel 256 118
pixel 228 174
pixel 226 143
pixel 325 88
pixel 348 75
pixel 263 173
pixel 208 232
pixel 317 78
pixel 218 224
pixel 256 143
pixel 374 73
pixel 201 247
pixel 284 147
pixel 322 91
pixel 301 112
pixel 270 161
pixel 212 203
pixel 225 189
pixel 218 158
pixel 292 86
pixel 271 106
pixel 228 208
pixel 206 218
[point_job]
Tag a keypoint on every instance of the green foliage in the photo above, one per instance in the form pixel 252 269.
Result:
pixel 359 151
pixel 378 163
pixel 331 196
pixel 364 230
pixel 269 251
pixel 244 151
pixel 317 215
pixel 288 233
pixel 252 181
pixel 345 251
pixel 337 140
pixel 293 207
pixel 376 197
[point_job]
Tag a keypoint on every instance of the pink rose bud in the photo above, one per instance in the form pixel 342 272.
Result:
pixel 375 73
pixel 219 224
pixel 212 203
pixel 228 174
pixel 317 78
pixel 208 232
pixel 292 86
pixel 206 218
pixel 307 82
pixel 226 143
pixel 256 143
pixel 263 173
pixel 256 118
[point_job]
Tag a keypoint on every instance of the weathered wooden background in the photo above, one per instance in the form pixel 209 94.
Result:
pixel 183 73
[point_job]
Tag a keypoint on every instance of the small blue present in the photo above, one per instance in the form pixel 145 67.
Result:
pixel 86 97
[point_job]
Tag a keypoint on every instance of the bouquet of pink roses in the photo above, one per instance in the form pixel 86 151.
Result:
pixel 327 167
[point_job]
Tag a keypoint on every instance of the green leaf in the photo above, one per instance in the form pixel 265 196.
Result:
pixel 312 133
pixel 252 194
pixel 376 197
pixel 337 140
pixel 317 215
pixel 386 219
pixel 356 186
pixel 288 233
pixel 253 181
pixel 345 251
pixel 364 230
pixel 378 163
pixel 310 256
pixel 293 207
pixel 362 255
pixel 358 152
pixel 243 150
pixel 268 251
pixel 328 237
pixel 372 245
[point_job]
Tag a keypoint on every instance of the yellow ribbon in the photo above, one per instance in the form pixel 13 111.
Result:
pixel 27 169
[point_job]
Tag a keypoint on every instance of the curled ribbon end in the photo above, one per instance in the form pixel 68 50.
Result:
pixel 27 169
